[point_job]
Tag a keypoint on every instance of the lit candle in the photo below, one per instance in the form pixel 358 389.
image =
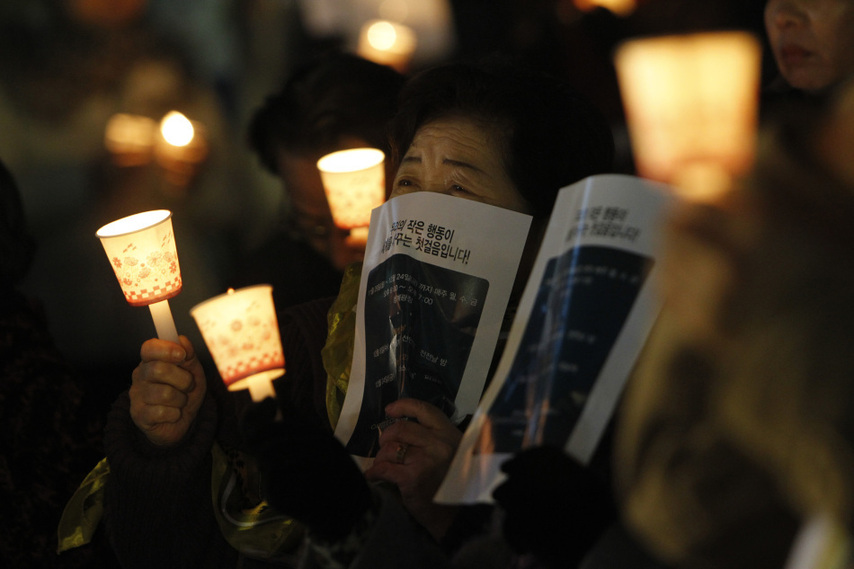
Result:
pixel 242 335
pixel 354 181
pixel 691 108
pixel 180 147
pixel 141 249
pixel 387 43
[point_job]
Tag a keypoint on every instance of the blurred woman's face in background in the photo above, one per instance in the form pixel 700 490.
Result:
pixel 311 217
pixel 812 40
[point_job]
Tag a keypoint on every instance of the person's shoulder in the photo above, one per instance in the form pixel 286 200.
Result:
pixel 310 309
pixel 310 317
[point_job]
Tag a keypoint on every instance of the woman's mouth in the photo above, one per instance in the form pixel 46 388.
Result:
pixel 793 55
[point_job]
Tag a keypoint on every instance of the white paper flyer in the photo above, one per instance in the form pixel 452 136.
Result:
pixel 821 543
pixel 435 284
pixel 583 319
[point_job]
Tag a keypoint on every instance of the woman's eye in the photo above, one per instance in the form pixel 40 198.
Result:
pixel 459 189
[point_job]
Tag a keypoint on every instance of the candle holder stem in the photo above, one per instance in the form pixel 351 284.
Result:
pixel 163 321
pixel 260 388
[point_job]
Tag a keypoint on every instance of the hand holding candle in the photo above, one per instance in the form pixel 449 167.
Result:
pixel 168 391
pixel 242 335
pixel 141 249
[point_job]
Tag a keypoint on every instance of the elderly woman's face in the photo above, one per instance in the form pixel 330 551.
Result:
pixel 458 157
pixel 812 40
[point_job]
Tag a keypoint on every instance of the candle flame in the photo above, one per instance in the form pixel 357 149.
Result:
pixel 230 291
pixel 177 129
pixel 382 36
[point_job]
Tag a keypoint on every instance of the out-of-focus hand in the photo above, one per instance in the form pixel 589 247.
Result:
pixel 167 391
pixel 553 506
pixel 305 471
pixel 415 456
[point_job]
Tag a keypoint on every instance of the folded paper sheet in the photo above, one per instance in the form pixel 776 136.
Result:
pixel 435 285
pixel 582 321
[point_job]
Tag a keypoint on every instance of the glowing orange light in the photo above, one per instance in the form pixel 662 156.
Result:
pixel 242 334
pixel 387 43
pixel 130 138
pixel 177 129
pixel 354 181
pixel 618 7
pixel 691 107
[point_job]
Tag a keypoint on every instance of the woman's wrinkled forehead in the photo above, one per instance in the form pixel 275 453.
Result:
pixel 496 130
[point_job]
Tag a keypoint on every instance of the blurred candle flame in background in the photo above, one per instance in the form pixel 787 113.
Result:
pixel 129 139
pixel 387 43
pixel 181 150
pixel 177 129
pixel 618 7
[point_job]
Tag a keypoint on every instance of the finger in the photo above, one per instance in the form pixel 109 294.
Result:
pixel 396 432
pixel 425 413
pixel 387 471
pixel 430 452
pixel 444 436
pixel 164 373
pixel 394 451
pixel 190 362
pixel 156 349
pixel 412 434
pixel 161 394
pixel 148 417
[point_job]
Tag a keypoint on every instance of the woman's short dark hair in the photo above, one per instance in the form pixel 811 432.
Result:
pixel 553 136
pixel 333 95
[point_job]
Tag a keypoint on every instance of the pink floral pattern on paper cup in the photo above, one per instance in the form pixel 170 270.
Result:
pixel 354 182
pixel 242 334
pixel 141 249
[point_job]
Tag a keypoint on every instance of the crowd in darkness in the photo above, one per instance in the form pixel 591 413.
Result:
pixel 82 381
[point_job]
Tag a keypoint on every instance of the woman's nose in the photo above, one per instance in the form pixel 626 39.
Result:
pixel 785 13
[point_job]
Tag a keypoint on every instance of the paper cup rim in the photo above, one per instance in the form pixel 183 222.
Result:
pixel 105 233
pixel 235 291
pixel 379 154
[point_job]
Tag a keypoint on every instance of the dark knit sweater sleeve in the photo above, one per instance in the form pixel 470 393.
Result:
pixel 303 330
pixel 158 507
